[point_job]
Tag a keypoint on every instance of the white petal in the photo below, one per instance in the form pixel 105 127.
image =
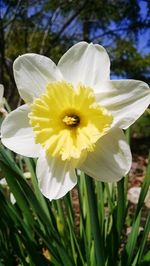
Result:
pixel 125 99
pixel 32 73
pixel 111 159
pixel 85 63
pixel 55 177
pixel 3 182
pixel 1 92
pixel 17 135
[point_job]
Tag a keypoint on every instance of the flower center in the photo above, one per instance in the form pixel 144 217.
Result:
pixel 67 121
pixel 71 120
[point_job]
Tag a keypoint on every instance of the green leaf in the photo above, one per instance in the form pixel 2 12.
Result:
pixel 144 189
pixel 143 240
pixel 131 243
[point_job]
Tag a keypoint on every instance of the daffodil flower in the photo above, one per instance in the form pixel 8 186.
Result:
pixel 5 186
pixel 1 95
pixel 73 117
pixel 3 111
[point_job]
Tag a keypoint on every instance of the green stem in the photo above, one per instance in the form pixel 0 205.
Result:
pixel 98 239
pixel 144 239
pixel 120 206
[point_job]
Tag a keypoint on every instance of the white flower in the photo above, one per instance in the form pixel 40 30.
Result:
pixel 4 184
pixel 2 109
pixel 73 117
pixel 1 95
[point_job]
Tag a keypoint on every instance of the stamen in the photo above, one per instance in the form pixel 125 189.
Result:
pixel 71 120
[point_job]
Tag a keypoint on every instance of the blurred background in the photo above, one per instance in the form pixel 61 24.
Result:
pixel 50 27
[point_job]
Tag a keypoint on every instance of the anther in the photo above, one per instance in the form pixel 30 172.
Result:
pixel 71 120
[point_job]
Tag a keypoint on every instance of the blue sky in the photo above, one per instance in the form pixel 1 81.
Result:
pixel 143 45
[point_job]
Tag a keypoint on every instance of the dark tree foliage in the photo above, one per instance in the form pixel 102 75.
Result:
pixel 51 27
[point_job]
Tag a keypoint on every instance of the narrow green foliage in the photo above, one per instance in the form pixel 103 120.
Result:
pixel 98 239
pixel 121 206
pixel 143 240
pixel 131 243
pixel 144 189
pixel 86 227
